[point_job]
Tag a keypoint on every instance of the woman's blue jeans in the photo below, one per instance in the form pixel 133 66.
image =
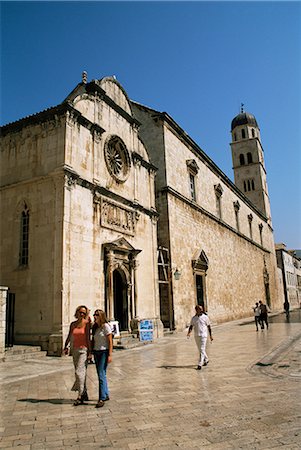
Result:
pixel 101 362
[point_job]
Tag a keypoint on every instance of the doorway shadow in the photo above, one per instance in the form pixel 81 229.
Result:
pixel 54 401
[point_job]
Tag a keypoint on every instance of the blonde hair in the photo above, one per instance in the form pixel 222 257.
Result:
pixel 102 315
pixel 77 311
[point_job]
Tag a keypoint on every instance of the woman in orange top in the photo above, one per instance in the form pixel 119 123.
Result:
pixel 79 339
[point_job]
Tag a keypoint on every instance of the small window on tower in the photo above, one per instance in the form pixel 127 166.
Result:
pixel 249 157
pixel 242 159
pixel 235 137
pixel 253 185
pixel 243 134
pixel 253 132
pixel 245 186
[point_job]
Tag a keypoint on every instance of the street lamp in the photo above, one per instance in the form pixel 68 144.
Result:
pixel 177 274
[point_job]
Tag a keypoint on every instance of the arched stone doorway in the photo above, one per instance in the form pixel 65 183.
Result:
pixel 121 291
pixel 121 307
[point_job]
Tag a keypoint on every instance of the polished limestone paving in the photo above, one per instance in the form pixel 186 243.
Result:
pixel 248 397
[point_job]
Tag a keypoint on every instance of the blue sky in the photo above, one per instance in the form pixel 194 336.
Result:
pixel 195 60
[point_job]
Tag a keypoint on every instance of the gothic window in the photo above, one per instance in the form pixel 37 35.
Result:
pixel 243 134
pixel 253 132
pixel 24 236
pixel 250 219
pixel 192 186
pixel 218 195
pixel 117 158
pixel 249 157
pixel 193 169
pixel 253 185
pixel 245 186
pixel 236 210
pixel 242 159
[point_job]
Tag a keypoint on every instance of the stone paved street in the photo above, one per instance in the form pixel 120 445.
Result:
pixel 248 397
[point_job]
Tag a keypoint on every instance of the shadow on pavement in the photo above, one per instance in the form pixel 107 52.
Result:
pixel 54 401
pixel 176 367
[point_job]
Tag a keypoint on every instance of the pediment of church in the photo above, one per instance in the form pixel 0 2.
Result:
pixel 123 245
pixel 200 261
pixel 115 91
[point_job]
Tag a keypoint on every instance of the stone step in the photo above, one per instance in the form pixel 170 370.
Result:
pixel 21 352
pixel 127 341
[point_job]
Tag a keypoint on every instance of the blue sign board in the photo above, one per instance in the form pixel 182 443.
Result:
pixel 146 330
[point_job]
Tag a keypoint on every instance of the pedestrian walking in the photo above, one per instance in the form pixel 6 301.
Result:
pixel 80 345
pixel 263 318
pixel 257 312
pixel 102 344
pixel 201 325
pixel 286 307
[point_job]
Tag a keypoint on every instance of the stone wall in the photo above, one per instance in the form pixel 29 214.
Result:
pixel 3 298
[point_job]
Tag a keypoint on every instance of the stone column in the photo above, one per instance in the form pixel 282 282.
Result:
pixel 130 303
pixel 137 165
pixel 3 297
pixel 134 277
pixel 110 292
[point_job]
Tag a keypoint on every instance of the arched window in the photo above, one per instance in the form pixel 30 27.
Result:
pixel 260 233
pixel 245 186
pixel 24 236
pixel 253 132
pixel 193 169
pixel 249 157
pixel 249 185
pixel 253 185
pixel 242 159
pixel 218 196
pixel 236 211
pixel 243 134
pixel 250 219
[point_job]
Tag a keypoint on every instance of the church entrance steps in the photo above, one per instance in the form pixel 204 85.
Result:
pixel 168 331
pixel 127 340
pixel 20 352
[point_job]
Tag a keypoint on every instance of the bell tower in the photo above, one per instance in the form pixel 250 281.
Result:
pixel 248 161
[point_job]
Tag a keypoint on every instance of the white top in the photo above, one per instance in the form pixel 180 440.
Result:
pixel 200 324
pixel 257 311
pixel 100 337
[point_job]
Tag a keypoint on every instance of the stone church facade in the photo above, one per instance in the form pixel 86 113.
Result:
pixel 108 203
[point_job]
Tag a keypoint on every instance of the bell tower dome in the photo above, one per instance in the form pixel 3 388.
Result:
pixel 248 162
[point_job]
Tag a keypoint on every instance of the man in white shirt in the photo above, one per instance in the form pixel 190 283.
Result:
pixel 201 325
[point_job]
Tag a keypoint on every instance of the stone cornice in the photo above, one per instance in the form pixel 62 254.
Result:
pixel 50 114
pixel 187 140
pixel 146 164
pixel 96 188
pixel 195 206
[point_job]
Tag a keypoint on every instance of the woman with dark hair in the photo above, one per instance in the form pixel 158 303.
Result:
pixel 102 344
pixel 80 344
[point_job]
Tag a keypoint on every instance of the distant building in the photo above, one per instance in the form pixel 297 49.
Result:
pixel 109 203
pixel 290 266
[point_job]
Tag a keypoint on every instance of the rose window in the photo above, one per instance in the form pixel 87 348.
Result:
pixel 117 159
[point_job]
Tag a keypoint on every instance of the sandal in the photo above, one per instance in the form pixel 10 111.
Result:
pixel 99 404
pixel 85 397
pixel 77 402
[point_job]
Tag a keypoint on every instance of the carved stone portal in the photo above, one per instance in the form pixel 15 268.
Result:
pixel 121 286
